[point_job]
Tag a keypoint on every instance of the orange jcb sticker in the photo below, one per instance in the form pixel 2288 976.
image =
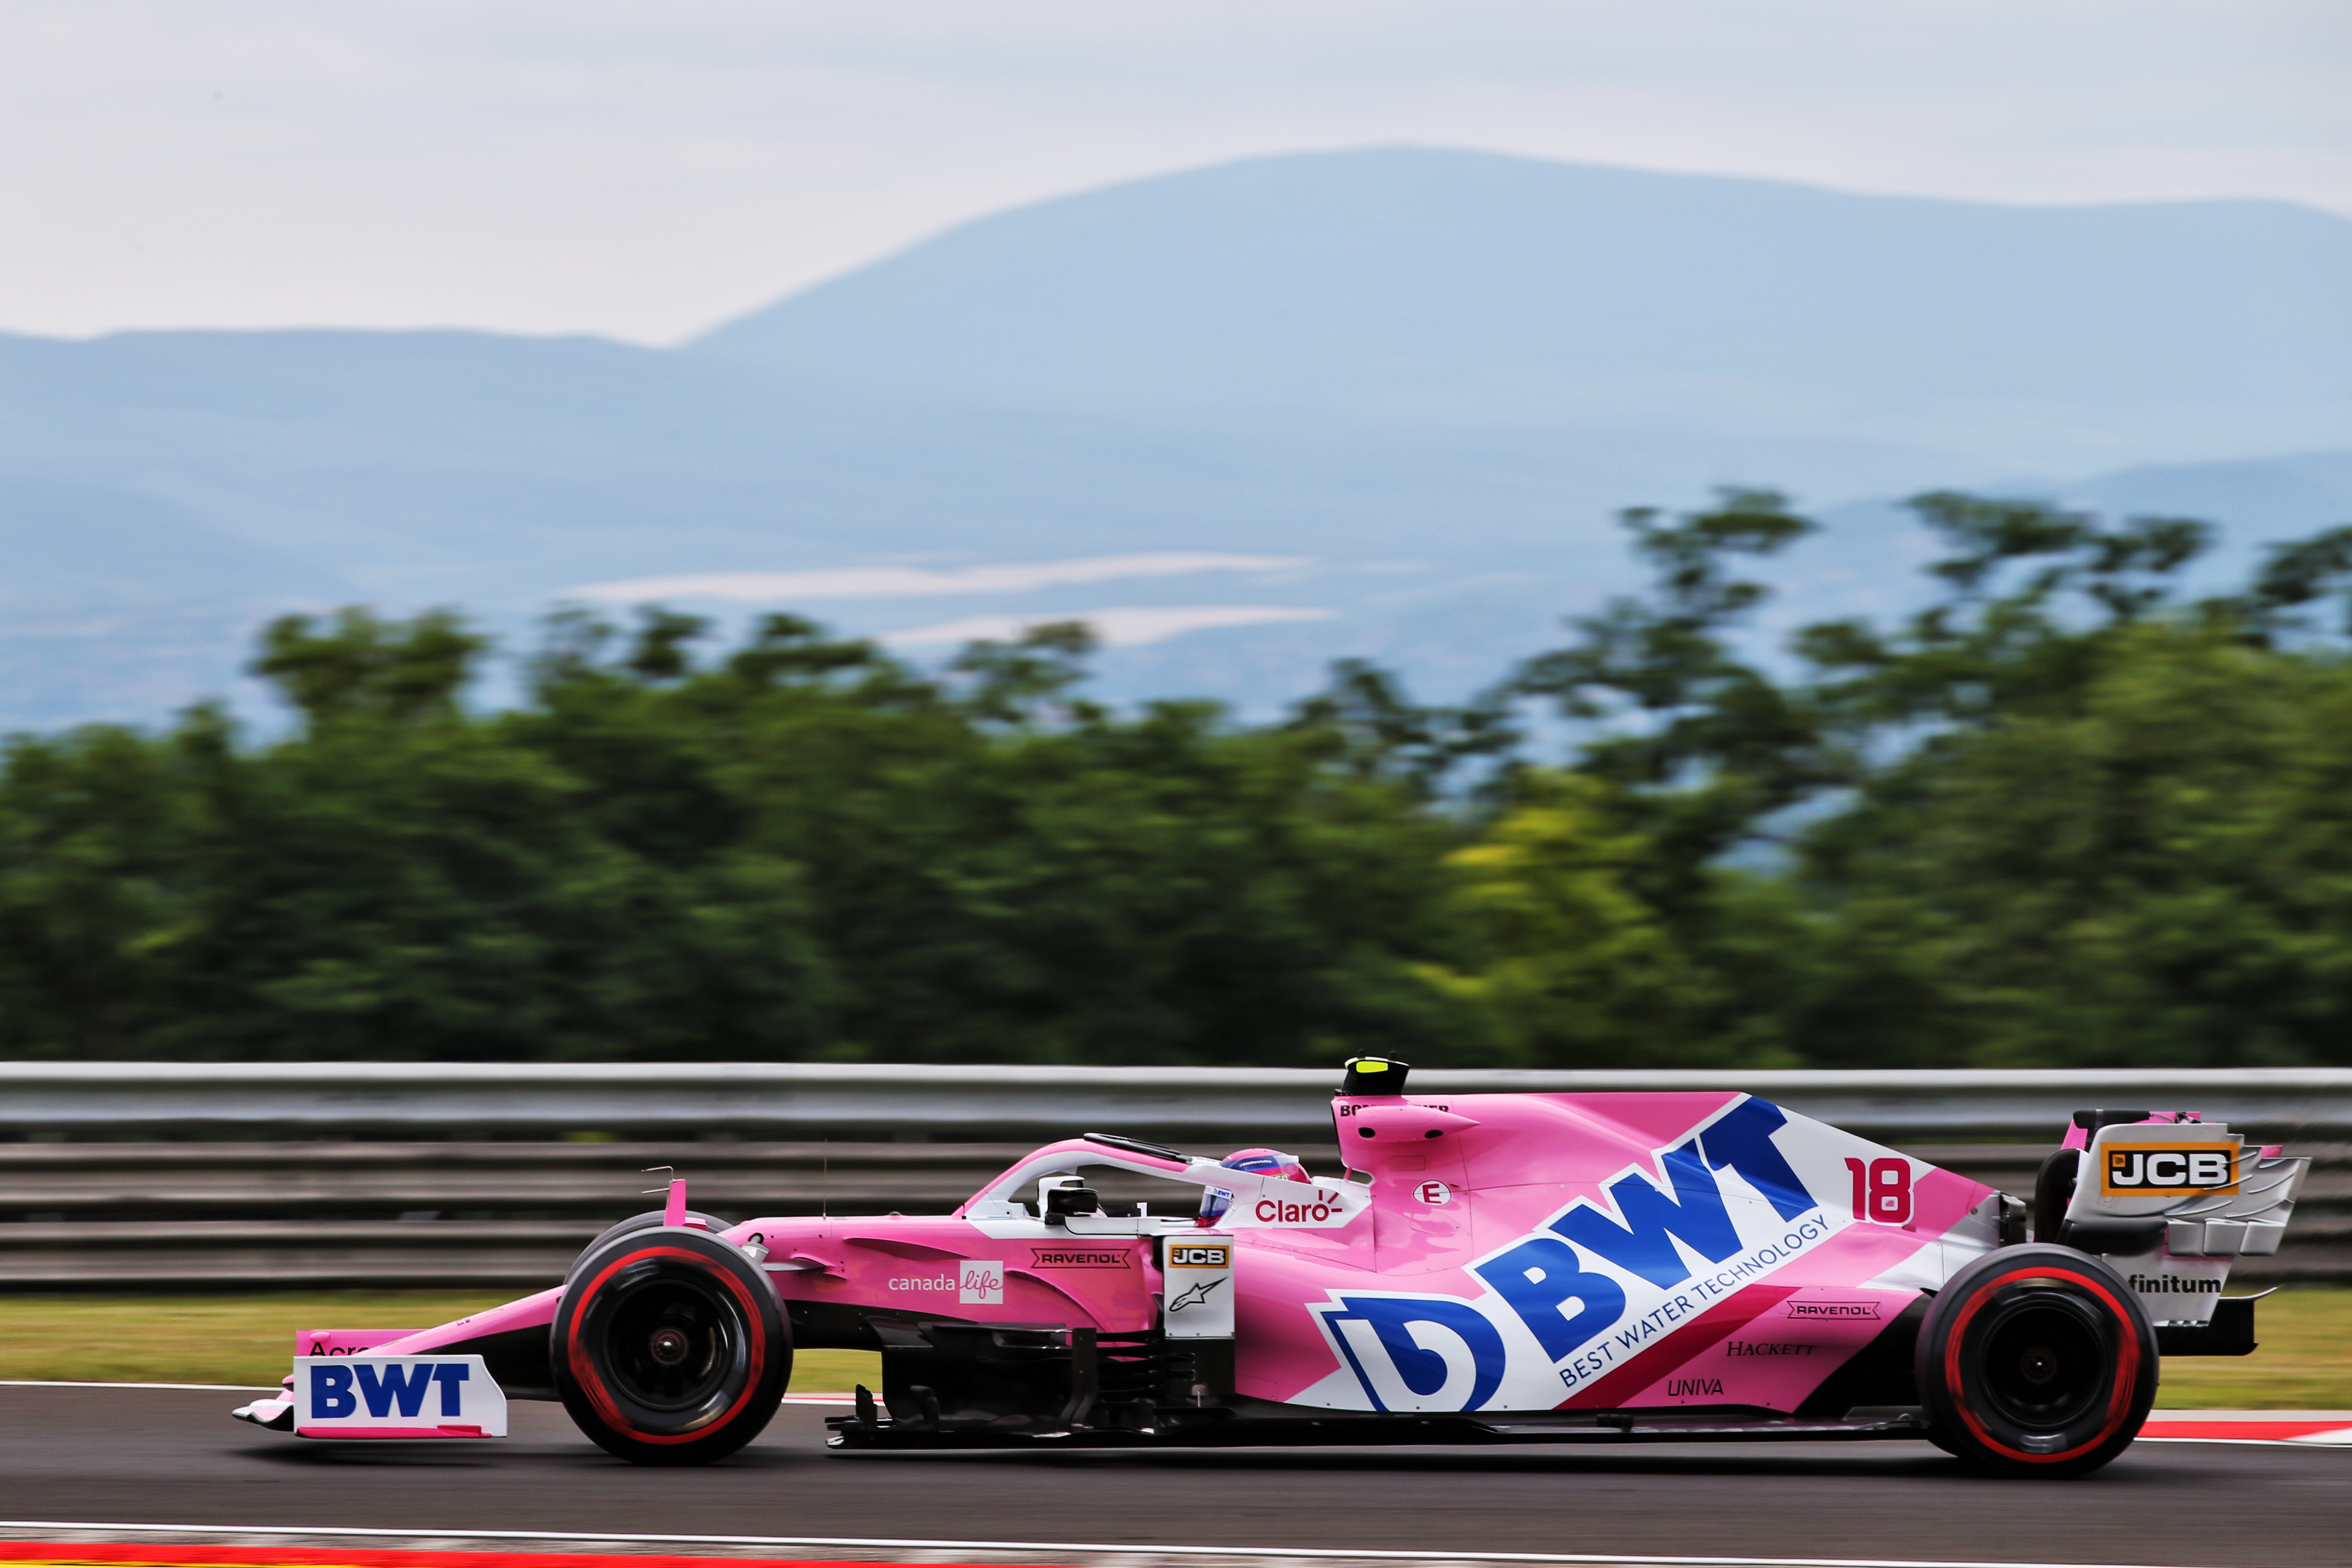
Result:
pixel 2168 1169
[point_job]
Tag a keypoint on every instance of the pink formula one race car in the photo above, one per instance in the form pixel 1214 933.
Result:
pixel 1492 1268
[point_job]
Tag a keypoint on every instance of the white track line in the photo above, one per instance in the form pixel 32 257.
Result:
pixel 1130 1549
pixel 2303 1442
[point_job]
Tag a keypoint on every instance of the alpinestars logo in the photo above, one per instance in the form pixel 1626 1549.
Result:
pixel 1198 1296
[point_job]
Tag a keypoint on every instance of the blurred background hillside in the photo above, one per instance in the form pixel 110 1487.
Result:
pixel 1251 419
pixel 1565 539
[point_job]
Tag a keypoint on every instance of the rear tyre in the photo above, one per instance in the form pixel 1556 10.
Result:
pixel 669 1347
pixel 2036 1361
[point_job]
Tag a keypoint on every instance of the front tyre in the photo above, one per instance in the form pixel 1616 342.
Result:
pixel 669 1347
pixel 649 1220
pixel 2036 1361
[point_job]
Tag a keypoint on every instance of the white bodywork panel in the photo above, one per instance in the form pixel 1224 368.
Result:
pixel 2218 1200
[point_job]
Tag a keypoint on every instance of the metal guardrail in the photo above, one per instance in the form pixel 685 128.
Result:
pixel 161 1182
pixel 256 1199
pixel 513 1216
pixel 813 1100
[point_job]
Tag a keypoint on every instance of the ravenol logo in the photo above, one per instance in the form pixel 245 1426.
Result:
pixel 1590 1288
pixel 368 1396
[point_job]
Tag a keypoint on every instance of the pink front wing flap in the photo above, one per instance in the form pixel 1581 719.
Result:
pixel 346 1341
pixel 531 1312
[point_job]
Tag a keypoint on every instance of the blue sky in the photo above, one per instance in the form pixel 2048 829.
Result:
pixel 643 171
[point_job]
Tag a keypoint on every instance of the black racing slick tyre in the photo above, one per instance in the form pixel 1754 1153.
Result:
pixel 634 1223
pixel 2036 1361
pixel 669 1347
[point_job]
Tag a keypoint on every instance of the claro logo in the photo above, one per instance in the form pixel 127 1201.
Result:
pixel 1322 1207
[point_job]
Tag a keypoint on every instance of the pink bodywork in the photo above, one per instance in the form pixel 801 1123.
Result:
pixel 1326 1314
pixel 1525 1158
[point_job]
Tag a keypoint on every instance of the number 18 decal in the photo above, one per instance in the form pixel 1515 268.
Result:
pixel 1881 1190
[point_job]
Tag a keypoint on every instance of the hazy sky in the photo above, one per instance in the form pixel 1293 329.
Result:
pixel 646 169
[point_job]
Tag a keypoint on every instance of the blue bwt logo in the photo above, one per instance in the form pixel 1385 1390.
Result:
pixel 1437 1352
pixel 337 1391
pixel 1426 1353
pixel 366 1396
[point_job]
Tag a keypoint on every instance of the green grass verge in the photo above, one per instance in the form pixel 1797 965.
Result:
pixel 249 1340
pixel 2304 1362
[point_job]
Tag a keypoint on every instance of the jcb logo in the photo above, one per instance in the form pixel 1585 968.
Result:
pixel 1196 1254
pixel 2168 1170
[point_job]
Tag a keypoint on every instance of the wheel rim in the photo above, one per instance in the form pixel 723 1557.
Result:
pixel 2045 1361
pixel 673 1346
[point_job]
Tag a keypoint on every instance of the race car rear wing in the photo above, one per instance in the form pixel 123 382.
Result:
pixel 2171 1200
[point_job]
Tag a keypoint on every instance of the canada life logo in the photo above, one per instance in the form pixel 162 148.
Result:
pixel 977 1282
pixel 1590 1288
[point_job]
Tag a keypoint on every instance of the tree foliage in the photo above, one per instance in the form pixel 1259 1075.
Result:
pixel 2060 815
pixel 799 848
pixel 2062 812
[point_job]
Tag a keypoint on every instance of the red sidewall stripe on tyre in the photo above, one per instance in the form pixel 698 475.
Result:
pixel 2127 1366
pixel 593 1386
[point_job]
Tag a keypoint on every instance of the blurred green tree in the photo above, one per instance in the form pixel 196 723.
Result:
pixel 2062 814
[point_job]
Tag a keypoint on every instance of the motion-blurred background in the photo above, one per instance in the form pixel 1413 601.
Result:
pixel 1075 535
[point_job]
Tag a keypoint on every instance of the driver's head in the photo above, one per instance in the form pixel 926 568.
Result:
pixel 1214 1201
pixel 1266 1160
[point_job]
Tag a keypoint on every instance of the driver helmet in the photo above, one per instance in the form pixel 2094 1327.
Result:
pixel 1214 1201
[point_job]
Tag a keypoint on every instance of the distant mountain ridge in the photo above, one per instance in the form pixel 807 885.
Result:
pixel 1431 376
pixel 1469 288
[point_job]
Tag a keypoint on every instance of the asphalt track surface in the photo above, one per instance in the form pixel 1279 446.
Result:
pixel 136 1455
